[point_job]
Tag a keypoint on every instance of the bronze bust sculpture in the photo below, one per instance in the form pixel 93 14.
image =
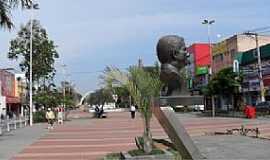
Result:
pixel 172 54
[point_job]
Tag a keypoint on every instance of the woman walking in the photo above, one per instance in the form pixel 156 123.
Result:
pixel 50 118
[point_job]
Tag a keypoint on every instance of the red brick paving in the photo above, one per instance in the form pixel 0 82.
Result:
pixel 93 138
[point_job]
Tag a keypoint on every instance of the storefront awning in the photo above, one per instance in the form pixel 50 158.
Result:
pixel 250 56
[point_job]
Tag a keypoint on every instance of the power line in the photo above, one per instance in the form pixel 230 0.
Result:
pixel 266 31
pixel 259 29
pixel 92 72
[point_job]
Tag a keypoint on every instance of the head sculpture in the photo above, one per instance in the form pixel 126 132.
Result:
pixel 172 54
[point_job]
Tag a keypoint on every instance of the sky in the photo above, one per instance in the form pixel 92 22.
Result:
pixel 92 34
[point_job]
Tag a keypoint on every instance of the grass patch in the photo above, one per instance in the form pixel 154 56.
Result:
pixel 140 152
pixel 112 156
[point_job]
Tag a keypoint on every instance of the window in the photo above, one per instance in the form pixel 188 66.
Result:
pixel 218 57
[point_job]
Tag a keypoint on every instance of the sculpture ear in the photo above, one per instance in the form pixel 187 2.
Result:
pixel 174 54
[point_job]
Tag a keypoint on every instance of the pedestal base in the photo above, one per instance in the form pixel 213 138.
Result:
pixel 185 100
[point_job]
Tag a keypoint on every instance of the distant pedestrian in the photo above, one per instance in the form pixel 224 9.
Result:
pixel 50 118
pixel 60 115
pixel 101 111
pixel 132 111
pixel 96 111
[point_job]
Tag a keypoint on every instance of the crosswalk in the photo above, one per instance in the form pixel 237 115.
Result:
pixel 88 138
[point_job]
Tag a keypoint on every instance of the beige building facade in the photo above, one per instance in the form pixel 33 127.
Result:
pixel 223 52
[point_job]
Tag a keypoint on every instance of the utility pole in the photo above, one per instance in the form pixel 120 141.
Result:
pixel 260 68
pixel 259 64
pixel 209 23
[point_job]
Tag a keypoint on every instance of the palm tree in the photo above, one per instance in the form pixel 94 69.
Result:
pixel 5 10
pixel 142 86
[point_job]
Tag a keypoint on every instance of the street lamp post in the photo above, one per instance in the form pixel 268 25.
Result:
pixel 31 7
pixel 209 23
pixel 31 68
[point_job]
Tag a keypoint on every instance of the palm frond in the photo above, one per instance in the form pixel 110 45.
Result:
pixel 142 85
pixel 5 11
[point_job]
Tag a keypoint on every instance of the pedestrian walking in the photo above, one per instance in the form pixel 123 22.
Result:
pixel 60 115
pixel 50 118
pixel 132 111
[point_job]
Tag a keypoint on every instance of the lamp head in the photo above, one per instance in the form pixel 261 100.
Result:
pixel 212 21
pixel 205 21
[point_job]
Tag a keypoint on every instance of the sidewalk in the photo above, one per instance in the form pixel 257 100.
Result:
pixel 13 142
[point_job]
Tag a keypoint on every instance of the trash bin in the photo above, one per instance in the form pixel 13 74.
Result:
pixel 250 112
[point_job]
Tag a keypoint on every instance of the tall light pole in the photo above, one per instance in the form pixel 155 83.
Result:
pixel 259 64
pixel 209 23
pixel 32 6
pixel 64 86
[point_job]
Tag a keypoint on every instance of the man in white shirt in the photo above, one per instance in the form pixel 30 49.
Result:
pixel 132 111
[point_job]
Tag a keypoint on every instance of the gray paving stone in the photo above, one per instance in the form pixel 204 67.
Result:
pixel 233 147
pixel 15 141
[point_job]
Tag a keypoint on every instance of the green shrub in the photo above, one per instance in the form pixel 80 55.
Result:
pixel 39 116
pixel 140 152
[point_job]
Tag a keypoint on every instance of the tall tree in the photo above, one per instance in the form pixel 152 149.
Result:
pixel 123 96
pixel 224 83
pixel 5 10
pixel 70 96
pixel 48 97
pixel 44 52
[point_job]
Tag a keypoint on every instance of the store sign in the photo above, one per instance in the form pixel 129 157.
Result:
pixel 201 70
pixel 7 83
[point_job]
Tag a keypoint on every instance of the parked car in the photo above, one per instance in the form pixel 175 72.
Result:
pixel 197 108
pixel 263 107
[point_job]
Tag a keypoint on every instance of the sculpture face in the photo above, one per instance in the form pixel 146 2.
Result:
pixel 172 50
pixel 172 54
